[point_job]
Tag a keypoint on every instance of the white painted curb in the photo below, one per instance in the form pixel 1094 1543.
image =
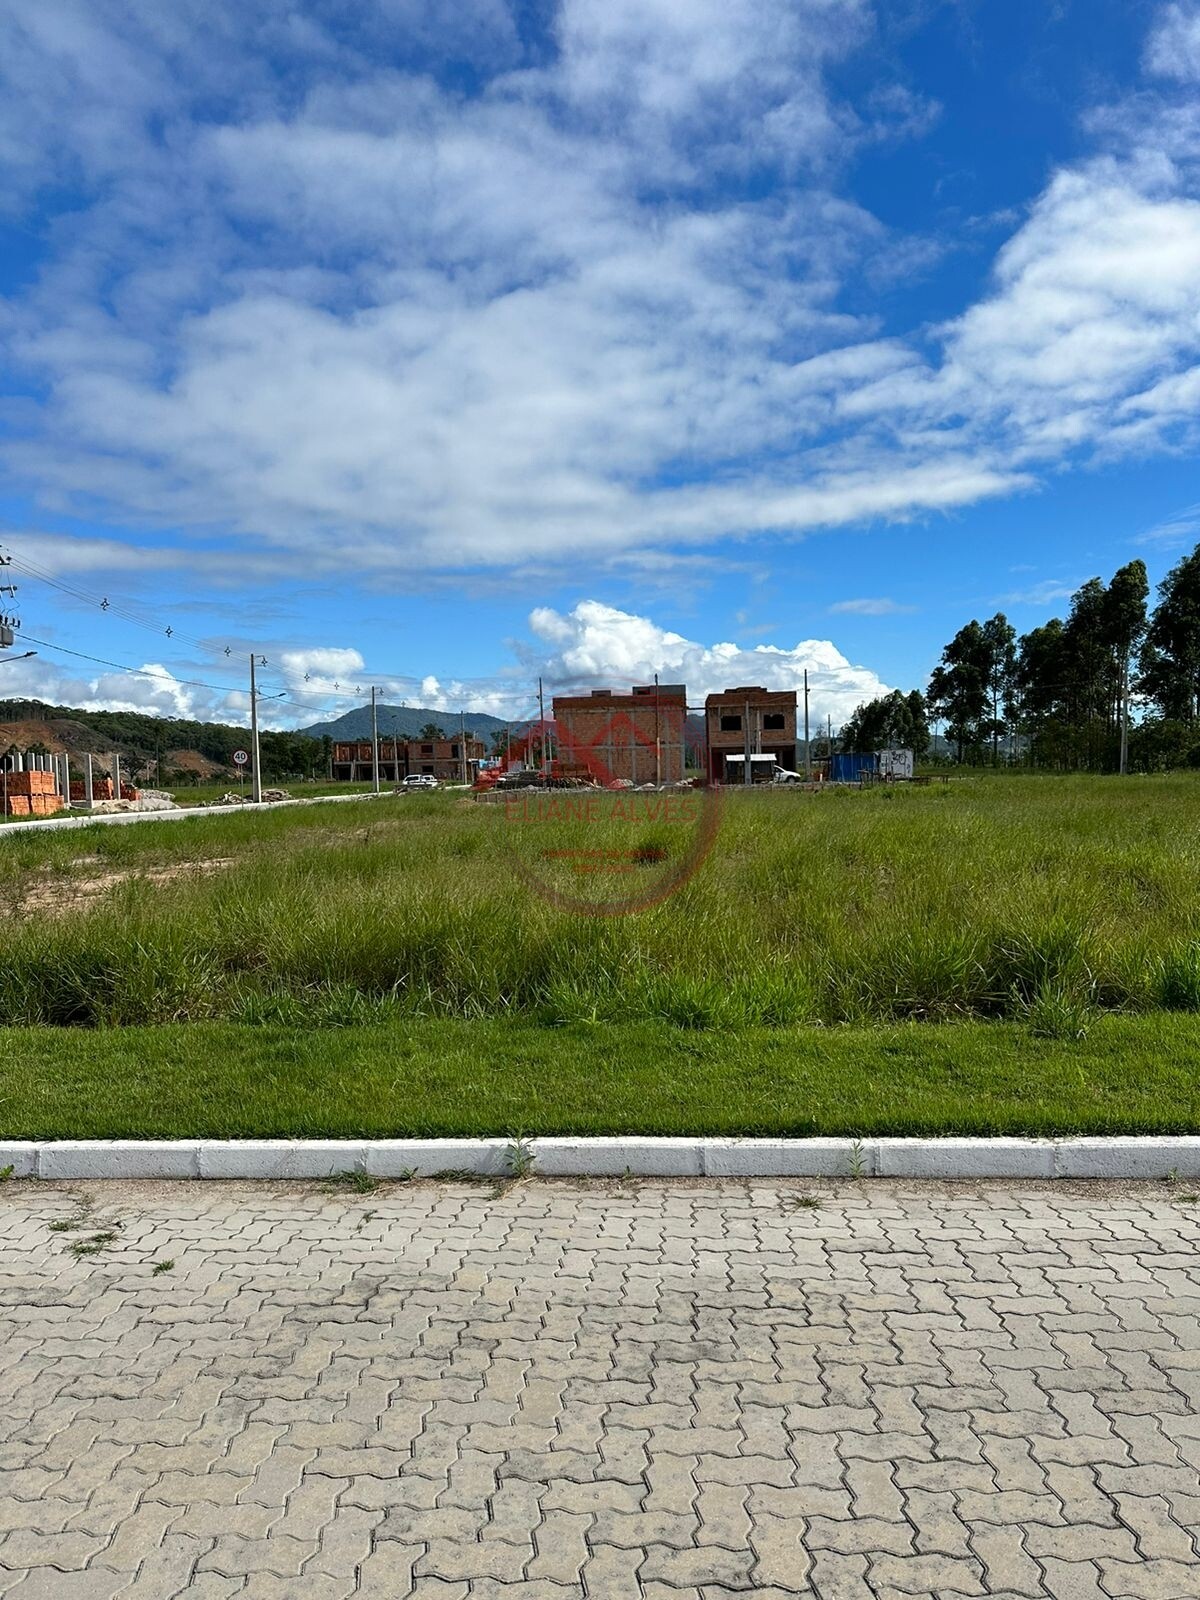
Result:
pixel 67 1159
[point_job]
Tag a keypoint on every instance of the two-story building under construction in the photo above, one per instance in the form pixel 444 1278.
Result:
pixel 637 737
pixel 749 721
pixel 447 760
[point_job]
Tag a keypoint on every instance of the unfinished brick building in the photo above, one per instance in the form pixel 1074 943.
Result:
pixel 437 758
pixel 749 719
pixel 638 737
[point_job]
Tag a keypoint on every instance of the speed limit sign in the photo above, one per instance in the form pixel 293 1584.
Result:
pixel 240 758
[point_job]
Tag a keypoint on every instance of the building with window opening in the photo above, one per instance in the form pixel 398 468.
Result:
pixel 749 721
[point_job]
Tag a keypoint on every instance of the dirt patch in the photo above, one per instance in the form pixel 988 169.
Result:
pixel 194 761
pixel 53 892
pixel 55 734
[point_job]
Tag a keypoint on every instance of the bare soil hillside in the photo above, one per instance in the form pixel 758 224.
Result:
pixel 55 734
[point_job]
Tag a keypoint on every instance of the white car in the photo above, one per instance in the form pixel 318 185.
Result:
pixel 420 780
pixel 782 775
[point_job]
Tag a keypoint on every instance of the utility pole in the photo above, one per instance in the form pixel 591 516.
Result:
pixel 374 742
pixel 1125 715
pixel 256 769
pixel 807 746
pixel 657 740
pixel 541 729
pixel 8 623
pixel 462 743
pixel 746 742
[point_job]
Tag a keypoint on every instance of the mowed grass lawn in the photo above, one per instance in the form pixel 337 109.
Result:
pixel 1002 954
pixel 442 1078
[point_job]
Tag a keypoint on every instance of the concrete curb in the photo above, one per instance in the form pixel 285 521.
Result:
pixel 117 819
pixel 1117 1158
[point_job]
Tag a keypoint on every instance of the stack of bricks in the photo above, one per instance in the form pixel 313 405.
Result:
pixel 102 789
pixel 32 794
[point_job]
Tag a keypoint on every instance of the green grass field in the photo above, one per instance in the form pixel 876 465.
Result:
pixel 1018 914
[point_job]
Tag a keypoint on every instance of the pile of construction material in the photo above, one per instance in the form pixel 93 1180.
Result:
pixel 31 794
pixel 144 800
pixel 232 798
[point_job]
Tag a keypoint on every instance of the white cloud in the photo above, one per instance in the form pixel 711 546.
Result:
pixel 1173 49
pixel 153 689
pixel 322 671
pixel 881 607
pixel 316 298
pixel 456 329
pixel 1174 532
pixel 1045 593
pixel 594 645
pixel 1097 292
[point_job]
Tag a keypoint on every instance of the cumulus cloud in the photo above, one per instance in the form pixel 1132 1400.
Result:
pixel 322 671
pixel 152 689
pixel 594 645
pixel 598 646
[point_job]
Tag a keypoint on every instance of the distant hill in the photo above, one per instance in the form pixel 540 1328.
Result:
pixel 194 750
pixel 407 721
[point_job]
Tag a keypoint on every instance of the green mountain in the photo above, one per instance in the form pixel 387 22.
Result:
pixel 406 721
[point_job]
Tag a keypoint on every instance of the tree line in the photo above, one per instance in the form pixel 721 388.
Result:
pixel 1114 686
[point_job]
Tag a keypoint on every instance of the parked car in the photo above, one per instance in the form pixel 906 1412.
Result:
pixel 420 780
pixel 783 775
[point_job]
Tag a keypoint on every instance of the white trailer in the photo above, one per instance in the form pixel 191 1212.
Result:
pixel 895 764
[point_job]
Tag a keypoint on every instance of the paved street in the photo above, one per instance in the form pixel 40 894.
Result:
pixel 676 1391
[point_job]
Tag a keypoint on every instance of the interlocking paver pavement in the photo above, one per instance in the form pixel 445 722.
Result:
pixel 684 1392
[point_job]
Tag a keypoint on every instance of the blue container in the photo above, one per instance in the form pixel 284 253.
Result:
pixel 853 766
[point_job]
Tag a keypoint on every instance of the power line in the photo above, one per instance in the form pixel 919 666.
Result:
pixel 137 672
pixel 138 617
pixel 127 613
pixel 117 608
pixel 189 683
pixel 158 677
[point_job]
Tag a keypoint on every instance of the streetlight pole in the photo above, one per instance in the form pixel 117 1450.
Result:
pixel 807 746
pixel 256 769
pixel 374 742
pixel 658 739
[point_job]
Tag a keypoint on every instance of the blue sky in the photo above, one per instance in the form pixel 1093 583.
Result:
pixel 440 347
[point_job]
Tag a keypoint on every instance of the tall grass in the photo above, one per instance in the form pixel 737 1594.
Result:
pixel 993 898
